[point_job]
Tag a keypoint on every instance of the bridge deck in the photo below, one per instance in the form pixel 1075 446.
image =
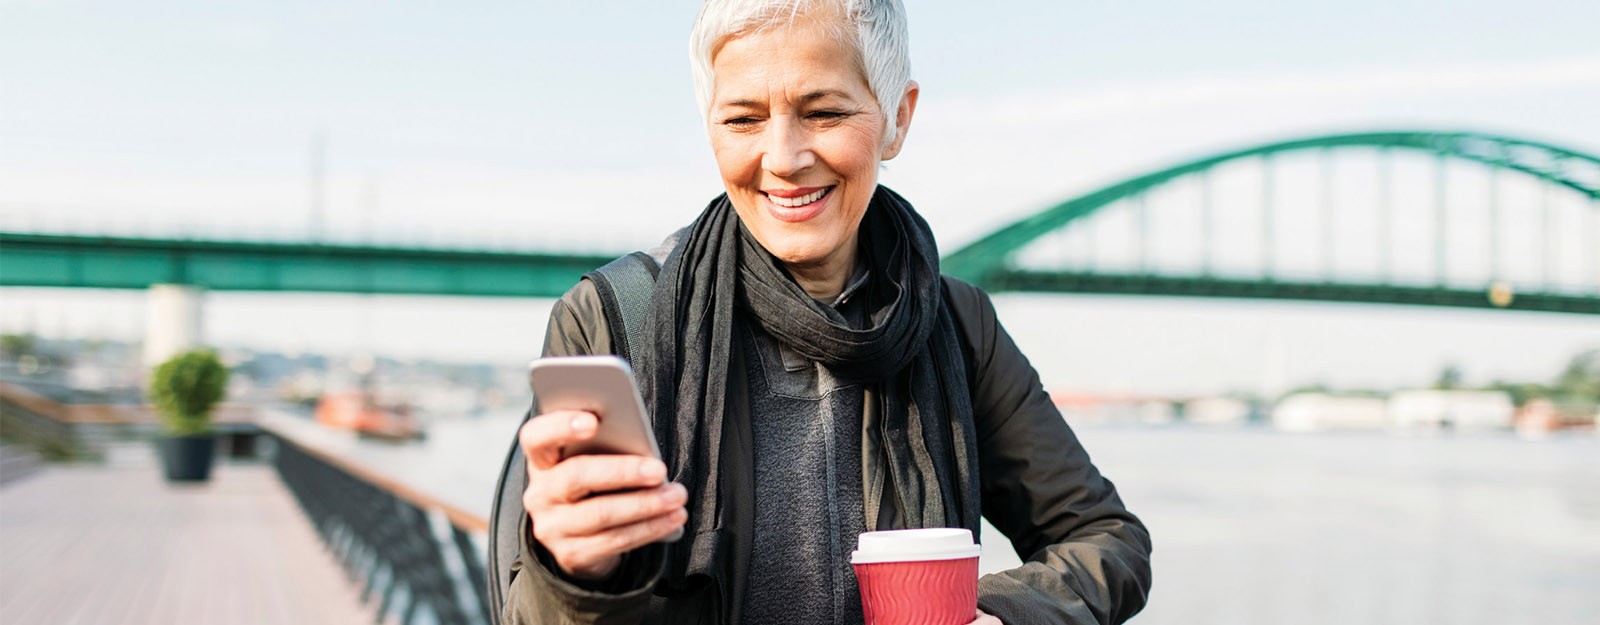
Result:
pixel 114 544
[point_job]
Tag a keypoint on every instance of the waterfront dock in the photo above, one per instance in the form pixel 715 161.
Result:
pixel 113 543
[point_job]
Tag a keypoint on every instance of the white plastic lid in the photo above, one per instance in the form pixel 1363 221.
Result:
pixel 935 543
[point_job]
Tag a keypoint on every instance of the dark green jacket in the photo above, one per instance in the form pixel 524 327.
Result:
pixel 1086 558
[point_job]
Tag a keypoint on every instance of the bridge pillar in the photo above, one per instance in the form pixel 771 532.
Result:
pixel 172 321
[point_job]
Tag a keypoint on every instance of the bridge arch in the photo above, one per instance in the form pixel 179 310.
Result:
pixel 987 261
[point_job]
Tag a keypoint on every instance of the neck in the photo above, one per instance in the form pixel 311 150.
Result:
pixel 825 280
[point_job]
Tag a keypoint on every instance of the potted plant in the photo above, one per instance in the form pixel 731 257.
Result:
pixel 185 389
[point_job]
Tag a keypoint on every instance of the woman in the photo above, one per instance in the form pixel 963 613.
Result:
pixel 811 376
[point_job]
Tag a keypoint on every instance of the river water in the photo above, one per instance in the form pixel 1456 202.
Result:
pixel 1255 527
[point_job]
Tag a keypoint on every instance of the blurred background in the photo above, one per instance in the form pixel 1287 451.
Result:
pixel 1317 285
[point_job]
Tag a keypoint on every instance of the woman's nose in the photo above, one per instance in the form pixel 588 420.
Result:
pixel 788 149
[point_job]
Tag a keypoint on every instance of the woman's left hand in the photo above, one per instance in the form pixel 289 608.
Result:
pixel 985 619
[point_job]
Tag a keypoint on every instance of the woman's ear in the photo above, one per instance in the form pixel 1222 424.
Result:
pixel 902 121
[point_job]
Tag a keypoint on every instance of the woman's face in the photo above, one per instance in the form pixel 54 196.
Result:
pixel 798 138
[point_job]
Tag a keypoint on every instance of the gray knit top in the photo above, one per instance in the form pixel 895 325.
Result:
pixel 806 429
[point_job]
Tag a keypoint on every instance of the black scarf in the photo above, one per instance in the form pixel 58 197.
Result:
pixel 918 427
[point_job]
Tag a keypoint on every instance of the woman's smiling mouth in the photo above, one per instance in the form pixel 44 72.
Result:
pixel 794 205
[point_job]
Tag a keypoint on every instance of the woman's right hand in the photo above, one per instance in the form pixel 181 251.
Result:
pixel 586 532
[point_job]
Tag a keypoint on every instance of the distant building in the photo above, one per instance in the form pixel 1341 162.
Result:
pixel 1310 412
pixel 1543 415
pixel 1112 408
pixel 1217 411
pixel 1466 410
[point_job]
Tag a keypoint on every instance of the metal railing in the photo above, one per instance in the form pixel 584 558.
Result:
pixel 62 423
pixel 415 556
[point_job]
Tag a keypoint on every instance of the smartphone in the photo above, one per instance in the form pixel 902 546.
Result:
pixel 603 385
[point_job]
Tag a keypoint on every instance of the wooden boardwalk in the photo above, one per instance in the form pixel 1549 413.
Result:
pixel 116 545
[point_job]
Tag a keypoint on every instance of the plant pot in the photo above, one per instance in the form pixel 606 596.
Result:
pixel 187 458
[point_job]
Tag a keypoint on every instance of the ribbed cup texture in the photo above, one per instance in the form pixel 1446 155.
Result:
pixel 936 592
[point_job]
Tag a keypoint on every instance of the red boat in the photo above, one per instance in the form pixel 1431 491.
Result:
pixel 356 410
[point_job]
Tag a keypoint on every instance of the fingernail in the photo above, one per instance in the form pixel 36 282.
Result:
pixel 581 424
pixel 674 494
pixel 652 470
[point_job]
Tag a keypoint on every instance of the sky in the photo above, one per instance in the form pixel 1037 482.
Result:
pixel 517 123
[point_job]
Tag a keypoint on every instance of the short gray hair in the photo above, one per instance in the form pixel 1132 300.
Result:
pixel 879 37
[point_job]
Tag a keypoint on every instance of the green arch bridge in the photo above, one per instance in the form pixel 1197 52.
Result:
pixel 1441 219
pixel 1567 183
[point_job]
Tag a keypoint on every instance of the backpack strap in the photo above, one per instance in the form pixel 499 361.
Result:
pixel 624 285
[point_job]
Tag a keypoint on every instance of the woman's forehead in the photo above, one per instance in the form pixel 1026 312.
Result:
pixel 797 62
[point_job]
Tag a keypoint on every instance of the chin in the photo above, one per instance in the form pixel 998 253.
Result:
pixel 797 254
pixel 796 244
pixel 787 242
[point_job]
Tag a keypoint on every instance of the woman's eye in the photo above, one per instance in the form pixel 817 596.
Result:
pixel 825 114
pixel 740 121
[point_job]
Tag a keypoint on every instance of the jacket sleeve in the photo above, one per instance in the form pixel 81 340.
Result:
pixel 1086 559
pixel 539 593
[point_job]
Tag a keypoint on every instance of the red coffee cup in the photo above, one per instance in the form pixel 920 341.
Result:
pixel 917 577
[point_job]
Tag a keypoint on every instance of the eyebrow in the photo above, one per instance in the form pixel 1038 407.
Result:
pixel 823 93
pixel 814 95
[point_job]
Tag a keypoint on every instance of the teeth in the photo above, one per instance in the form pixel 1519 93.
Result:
pixel 799 201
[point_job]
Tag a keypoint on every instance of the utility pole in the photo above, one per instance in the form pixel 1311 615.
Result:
pixel 371 224
pixel 319 155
